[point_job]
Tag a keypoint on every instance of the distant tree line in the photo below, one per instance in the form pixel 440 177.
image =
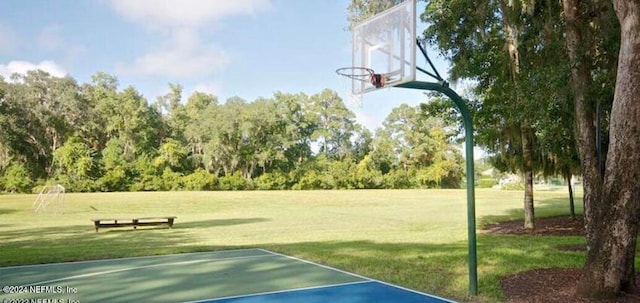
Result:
pixel 98 137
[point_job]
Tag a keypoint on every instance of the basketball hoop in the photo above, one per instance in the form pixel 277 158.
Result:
pixel 347 76
pixel 356 72
pixel 363 74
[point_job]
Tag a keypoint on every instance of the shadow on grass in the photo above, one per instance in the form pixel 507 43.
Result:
pixel 543 208
pixel 6 211
pixel 81 242
pixel 217 222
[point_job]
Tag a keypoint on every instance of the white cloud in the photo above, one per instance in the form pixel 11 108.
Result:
pixel 21 67
pixel 184 55
pixel 192 13
pixel 183 63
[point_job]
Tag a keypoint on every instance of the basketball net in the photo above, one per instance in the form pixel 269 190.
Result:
pixel 354 101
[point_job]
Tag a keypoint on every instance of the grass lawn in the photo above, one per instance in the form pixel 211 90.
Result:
pixel 414 238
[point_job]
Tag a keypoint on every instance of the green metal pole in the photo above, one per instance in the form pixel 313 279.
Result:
pixel 468 139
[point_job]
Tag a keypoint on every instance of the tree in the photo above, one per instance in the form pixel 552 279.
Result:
pixel 362 9
pixel 361 142
pixel 98 95
pixel 558 155
pixel 612 198
pixel 336 124
pixel 262 139
pixel 74 159
pixel 117 165
pixel 173 155
pixel 421 146
pixel 297 124
pixel 18 178
pixel 509 49
pixel 173 112
pixel 5 117
pixel 40 116
pixel 125 115
pixel 223 151
pixel 484 43
pixel 196 133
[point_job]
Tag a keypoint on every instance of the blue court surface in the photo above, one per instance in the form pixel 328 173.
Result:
pixel 234 276
pixel 357 292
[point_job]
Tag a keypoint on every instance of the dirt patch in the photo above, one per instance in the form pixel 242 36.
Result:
pixel 554 284
pixel 553 226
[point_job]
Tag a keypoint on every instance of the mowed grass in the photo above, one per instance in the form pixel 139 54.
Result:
pixel 414 238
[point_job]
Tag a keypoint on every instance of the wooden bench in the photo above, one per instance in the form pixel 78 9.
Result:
pixel 135 222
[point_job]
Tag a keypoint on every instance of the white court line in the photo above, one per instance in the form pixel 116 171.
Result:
pixel 279 291
pixel 359 276
pixel 319 265
pixel 132 258
pixel 143 267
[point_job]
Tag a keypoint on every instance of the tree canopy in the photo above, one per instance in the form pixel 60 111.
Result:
pixel 98 137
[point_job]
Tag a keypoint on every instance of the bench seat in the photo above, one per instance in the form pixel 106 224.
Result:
pixel 135 222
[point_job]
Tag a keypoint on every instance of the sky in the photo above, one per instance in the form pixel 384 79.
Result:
pixel 244 48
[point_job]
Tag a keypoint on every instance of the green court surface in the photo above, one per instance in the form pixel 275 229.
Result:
pixel 251 275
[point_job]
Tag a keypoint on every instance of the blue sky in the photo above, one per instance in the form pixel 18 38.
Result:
pixel 245 48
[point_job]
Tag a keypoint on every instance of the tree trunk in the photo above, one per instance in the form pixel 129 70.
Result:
pixel 572 207
pixel 527 168
pixel 612 203
pixel 511 33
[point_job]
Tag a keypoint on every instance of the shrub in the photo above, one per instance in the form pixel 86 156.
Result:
pixel 311 180
pixel 116 179
pixel 200 180
pixel 342 175
pixel 399 179
pixel 367 174
pixel 18 179
pixel 234 182
pixel 147 183
pixel 486 182
pixel 147 178
pixel 369 179
pixel 74 184
pixel 274 180
pixel 171 180
pixel 513 186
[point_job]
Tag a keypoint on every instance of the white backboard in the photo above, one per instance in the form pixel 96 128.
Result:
pixel 386 43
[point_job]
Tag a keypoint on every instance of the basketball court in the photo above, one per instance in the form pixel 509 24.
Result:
pixel 234 276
